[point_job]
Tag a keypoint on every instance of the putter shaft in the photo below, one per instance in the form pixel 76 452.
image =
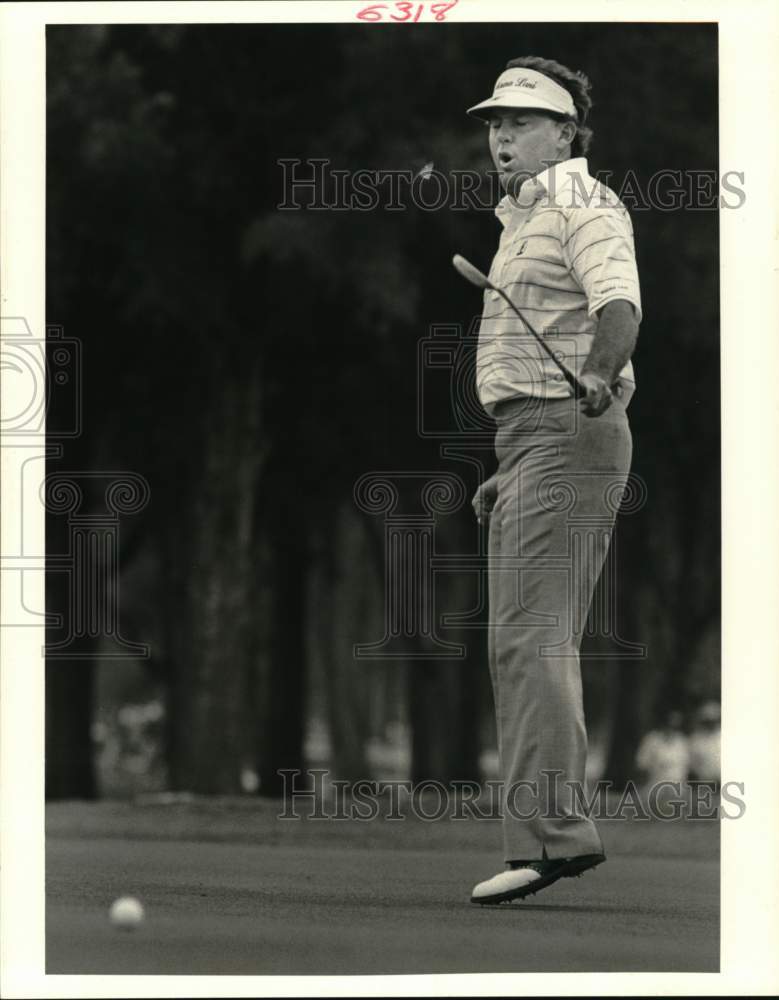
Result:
pixel 475 277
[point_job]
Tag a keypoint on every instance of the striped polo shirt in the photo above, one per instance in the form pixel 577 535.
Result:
pixel 565 251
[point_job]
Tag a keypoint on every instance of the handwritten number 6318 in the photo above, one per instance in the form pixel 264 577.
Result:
pixel 406 11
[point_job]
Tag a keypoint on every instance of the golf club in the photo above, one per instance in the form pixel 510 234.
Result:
pixel 475 276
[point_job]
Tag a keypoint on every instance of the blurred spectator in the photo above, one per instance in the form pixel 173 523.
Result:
pixel 664 753
pixel 705 744
pixel 129 745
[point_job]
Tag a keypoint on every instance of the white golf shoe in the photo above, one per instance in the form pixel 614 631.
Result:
pixel 512 884
pixel 526 878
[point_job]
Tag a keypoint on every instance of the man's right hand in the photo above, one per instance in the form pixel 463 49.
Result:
pixel 484 499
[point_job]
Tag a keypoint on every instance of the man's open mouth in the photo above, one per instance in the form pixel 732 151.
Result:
pixel 504 159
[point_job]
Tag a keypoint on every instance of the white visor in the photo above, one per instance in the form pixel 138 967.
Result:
pixel 526 88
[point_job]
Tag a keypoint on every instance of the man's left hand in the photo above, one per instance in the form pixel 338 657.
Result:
pixel 599 397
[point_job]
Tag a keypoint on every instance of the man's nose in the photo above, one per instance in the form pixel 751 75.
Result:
pixel 505 133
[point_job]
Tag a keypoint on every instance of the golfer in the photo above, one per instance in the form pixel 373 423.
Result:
pixel 566 259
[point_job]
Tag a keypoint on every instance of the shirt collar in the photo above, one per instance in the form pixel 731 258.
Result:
pixel 551 181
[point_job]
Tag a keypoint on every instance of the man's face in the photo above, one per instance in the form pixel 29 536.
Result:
pixel 523 143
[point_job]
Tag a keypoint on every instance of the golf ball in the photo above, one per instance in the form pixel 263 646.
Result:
pixel 126 912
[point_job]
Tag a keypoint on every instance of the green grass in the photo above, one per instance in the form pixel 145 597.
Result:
pixel 231 889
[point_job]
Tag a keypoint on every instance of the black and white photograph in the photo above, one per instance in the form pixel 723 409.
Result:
pixel 388 499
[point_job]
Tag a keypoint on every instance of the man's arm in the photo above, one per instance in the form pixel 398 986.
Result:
pixel 613 345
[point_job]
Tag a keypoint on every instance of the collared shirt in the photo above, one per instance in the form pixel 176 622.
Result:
pixel 565 251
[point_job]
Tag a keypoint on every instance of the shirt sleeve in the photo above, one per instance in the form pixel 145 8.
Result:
pixel 600 253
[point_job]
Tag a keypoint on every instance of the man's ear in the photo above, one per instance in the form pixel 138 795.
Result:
pixel 568 132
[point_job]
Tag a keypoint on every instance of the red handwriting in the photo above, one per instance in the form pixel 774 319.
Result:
pixel 405 11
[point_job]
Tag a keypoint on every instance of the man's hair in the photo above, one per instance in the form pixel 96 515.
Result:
pixel 577 85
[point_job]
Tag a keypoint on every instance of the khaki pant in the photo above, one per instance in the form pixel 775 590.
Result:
pixel 560 480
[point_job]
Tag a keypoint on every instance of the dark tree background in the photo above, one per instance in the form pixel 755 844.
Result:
pixel 252 364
